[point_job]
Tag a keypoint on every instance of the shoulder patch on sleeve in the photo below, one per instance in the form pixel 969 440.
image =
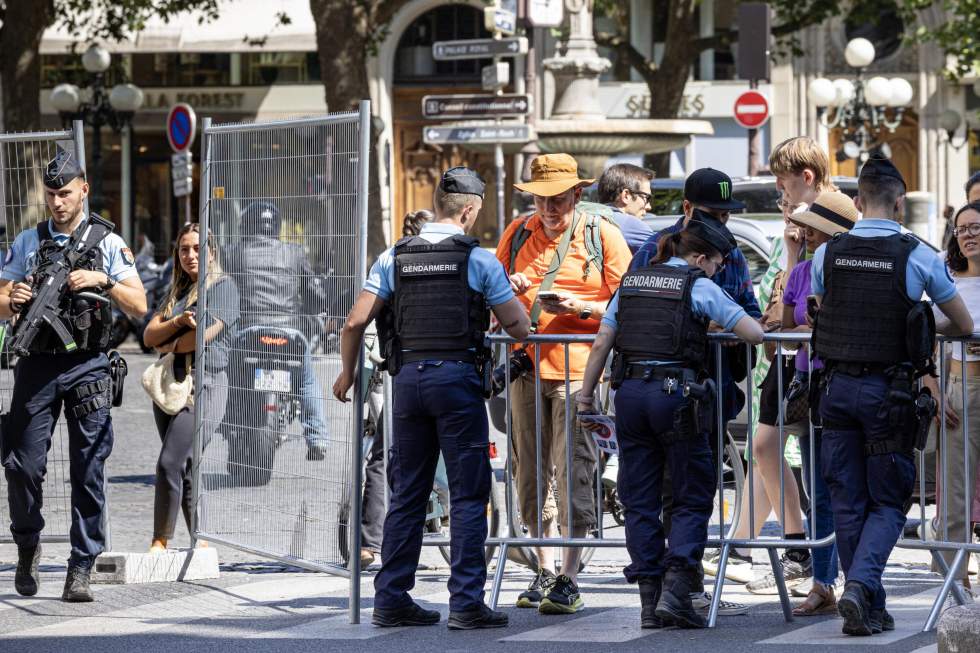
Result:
pixel 127 255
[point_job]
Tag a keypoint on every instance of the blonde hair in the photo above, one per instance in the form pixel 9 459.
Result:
pixel 794 155
pixel 181 282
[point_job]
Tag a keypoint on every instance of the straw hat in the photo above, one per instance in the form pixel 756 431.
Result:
pixel 553 174
pixel 830 213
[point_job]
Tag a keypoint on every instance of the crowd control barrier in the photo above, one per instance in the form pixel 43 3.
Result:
pixel 23 159
pixel 275 454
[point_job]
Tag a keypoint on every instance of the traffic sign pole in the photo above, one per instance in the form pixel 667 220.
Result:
pixel 498 157
pixel 751 111
pixel 755 141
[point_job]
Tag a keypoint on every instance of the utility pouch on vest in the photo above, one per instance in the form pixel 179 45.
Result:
pixel 920 337
pixel 618 371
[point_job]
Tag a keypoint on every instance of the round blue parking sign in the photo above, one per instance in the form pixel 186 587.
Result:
pixel 181 127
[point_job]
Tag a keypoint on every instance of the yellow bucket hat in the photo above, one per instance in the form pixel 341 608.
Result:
pixel 553 174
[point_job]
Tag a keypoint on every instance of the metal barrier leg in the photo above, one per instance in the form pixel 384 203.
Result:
pixel 777 572
pixel 498 576
pixel 719 585
pixel 948 584
pixel 957 591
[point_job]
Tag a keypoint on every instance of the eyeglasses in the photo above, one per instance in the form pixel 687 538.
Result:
pixel 972 229
pixel 639 193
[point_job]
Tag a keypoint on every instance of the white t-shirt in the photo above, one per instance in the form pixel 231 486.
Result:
pixel 969 289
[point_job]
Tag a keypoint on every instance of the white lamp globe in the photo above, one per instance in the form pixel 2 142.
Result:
pixel 878 91
pixel 822 92
pixel 901 92
pixel 126 97
pixel 950 121
pixel 859 53
pixel 845 91
pixel 65 98
pixel 96 59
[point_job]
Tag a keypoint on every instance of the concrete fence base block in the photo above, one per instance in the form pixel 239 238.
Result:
pixel 959 630
pixel 172 565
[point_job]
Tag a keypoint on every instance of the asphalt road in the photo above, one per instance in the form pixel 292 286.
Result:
pixel 259 604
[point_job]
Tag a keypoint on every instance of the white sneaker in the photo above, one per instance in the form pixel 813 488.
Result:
pixel 738 569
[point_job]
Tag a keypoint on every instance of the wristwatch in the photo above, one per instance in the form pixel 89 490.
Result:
pixel 586 312
pixel 110 283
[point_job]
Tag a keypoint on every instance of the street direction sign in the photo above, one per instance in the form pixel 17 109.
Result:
pixel 479 48
pixel 181 126
pixel 475 106
pixel 495 76
pixel 183 187
pixel 491 134
pixel 499 20
pixel 182 172
pixel 751 109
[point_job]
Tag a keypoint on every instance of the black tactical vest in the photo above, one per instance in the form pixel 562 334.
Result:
pixel 865 306
pixel 89 322
pixel 656 319
pixel 436 315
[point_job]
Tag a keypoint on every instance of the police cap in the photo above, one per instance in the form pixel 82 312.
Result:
pixel 710 229
pixel 462 180
pixel 61 170
pixel 878 166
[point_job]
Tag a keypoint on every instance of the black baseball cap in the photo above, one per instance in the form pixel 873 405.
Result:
pixel 878 166
pixel 710 229
pixel 61 170
pixel 711 188
pixel 462 180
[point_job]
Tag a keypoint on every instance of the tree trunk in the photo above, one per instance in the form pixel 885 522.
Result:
pixel 346 34
pixel 667 82
pixel 24 23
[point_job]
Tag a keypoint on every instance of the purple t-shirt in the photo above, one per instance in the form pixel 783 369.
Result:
pixel 797 290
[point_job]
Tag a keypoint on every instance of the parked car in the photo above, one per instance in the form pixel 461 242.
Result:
pixel 759 194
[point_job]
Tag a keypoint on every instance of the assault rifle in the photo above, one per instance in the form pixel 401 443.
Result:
pixel 51 286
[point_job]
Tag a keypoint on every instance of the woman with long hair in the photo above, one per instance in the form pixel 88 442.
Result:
pixel 963 260
pixel 173 329
pixel 658 324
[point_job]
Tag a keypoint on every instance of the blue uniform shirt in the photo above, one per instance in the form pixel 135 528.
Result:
pixel 734 279
pixel 485 273
pixel 117 259
pixel 707 300
pixel 925 272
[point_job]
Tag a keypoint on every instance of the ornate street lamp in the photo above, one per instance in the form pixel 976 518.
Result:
pixel 96 107
pixel 860 108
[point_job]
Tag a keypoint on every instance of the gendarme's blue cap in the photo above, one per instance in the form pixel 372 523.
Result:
pixel 710 229
pixel 61 170
pixel 462 180
pixel 878 166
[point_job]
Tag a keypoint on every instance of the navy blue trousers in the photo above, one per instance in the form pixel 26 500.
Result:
pixel 867 493
pixel 42 384
pixel 437 406
pixel 643 414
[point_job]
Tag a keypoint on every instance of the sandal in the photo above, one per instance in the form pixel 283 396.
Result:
pixel 819 601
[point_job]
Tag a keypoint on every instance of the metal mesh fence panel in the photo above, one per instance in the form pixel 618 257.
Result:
pixel 23 158
pixel 283 205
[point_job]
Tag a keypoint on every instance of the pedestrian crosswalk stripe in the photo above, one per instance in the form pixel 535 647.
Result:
pixel 608 626
pixel 910 614
pixel 163 614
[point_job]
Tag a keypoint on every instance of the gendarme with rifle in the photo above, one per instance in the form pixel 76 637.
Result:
pixel 56 286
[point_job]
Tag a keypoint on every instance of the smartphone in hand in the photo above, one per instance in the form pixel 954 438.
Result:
pixel 549 295
pixel 812 306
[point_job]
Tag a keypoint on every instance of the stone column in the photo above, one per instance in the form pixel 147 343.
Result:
pixel 578 68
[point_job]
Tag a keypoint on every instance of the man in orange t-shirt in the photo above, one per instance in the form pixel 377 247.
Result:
pixel 574 304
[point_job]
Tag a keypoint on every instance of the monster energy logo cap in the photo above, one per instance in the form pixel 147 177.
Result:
pixel 61 170
pixel 712 189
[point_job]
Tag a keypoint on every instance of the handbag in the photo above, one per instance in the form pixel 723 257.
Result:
pixel 161 384
pixel 797 400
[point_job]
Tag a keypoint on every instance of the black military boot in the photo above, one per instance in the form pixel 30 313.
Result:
pixel 77 585
pixel 855 608
pixel 675 607
pixel 649 596
pixel 27 580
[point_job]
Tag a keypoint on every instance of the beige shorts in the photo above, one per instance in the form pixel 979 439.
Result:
pixel 553 443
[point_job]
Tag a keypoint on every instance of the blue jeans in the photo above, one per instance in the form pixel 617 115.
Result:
pixel 825 564
pixel 311 401
pixel 437 406
pixel 643 414
pixel 868 493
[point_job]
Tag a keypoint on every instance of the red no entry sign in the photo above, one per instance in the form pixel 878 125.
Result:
pixel 181 125
pixel 751 109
